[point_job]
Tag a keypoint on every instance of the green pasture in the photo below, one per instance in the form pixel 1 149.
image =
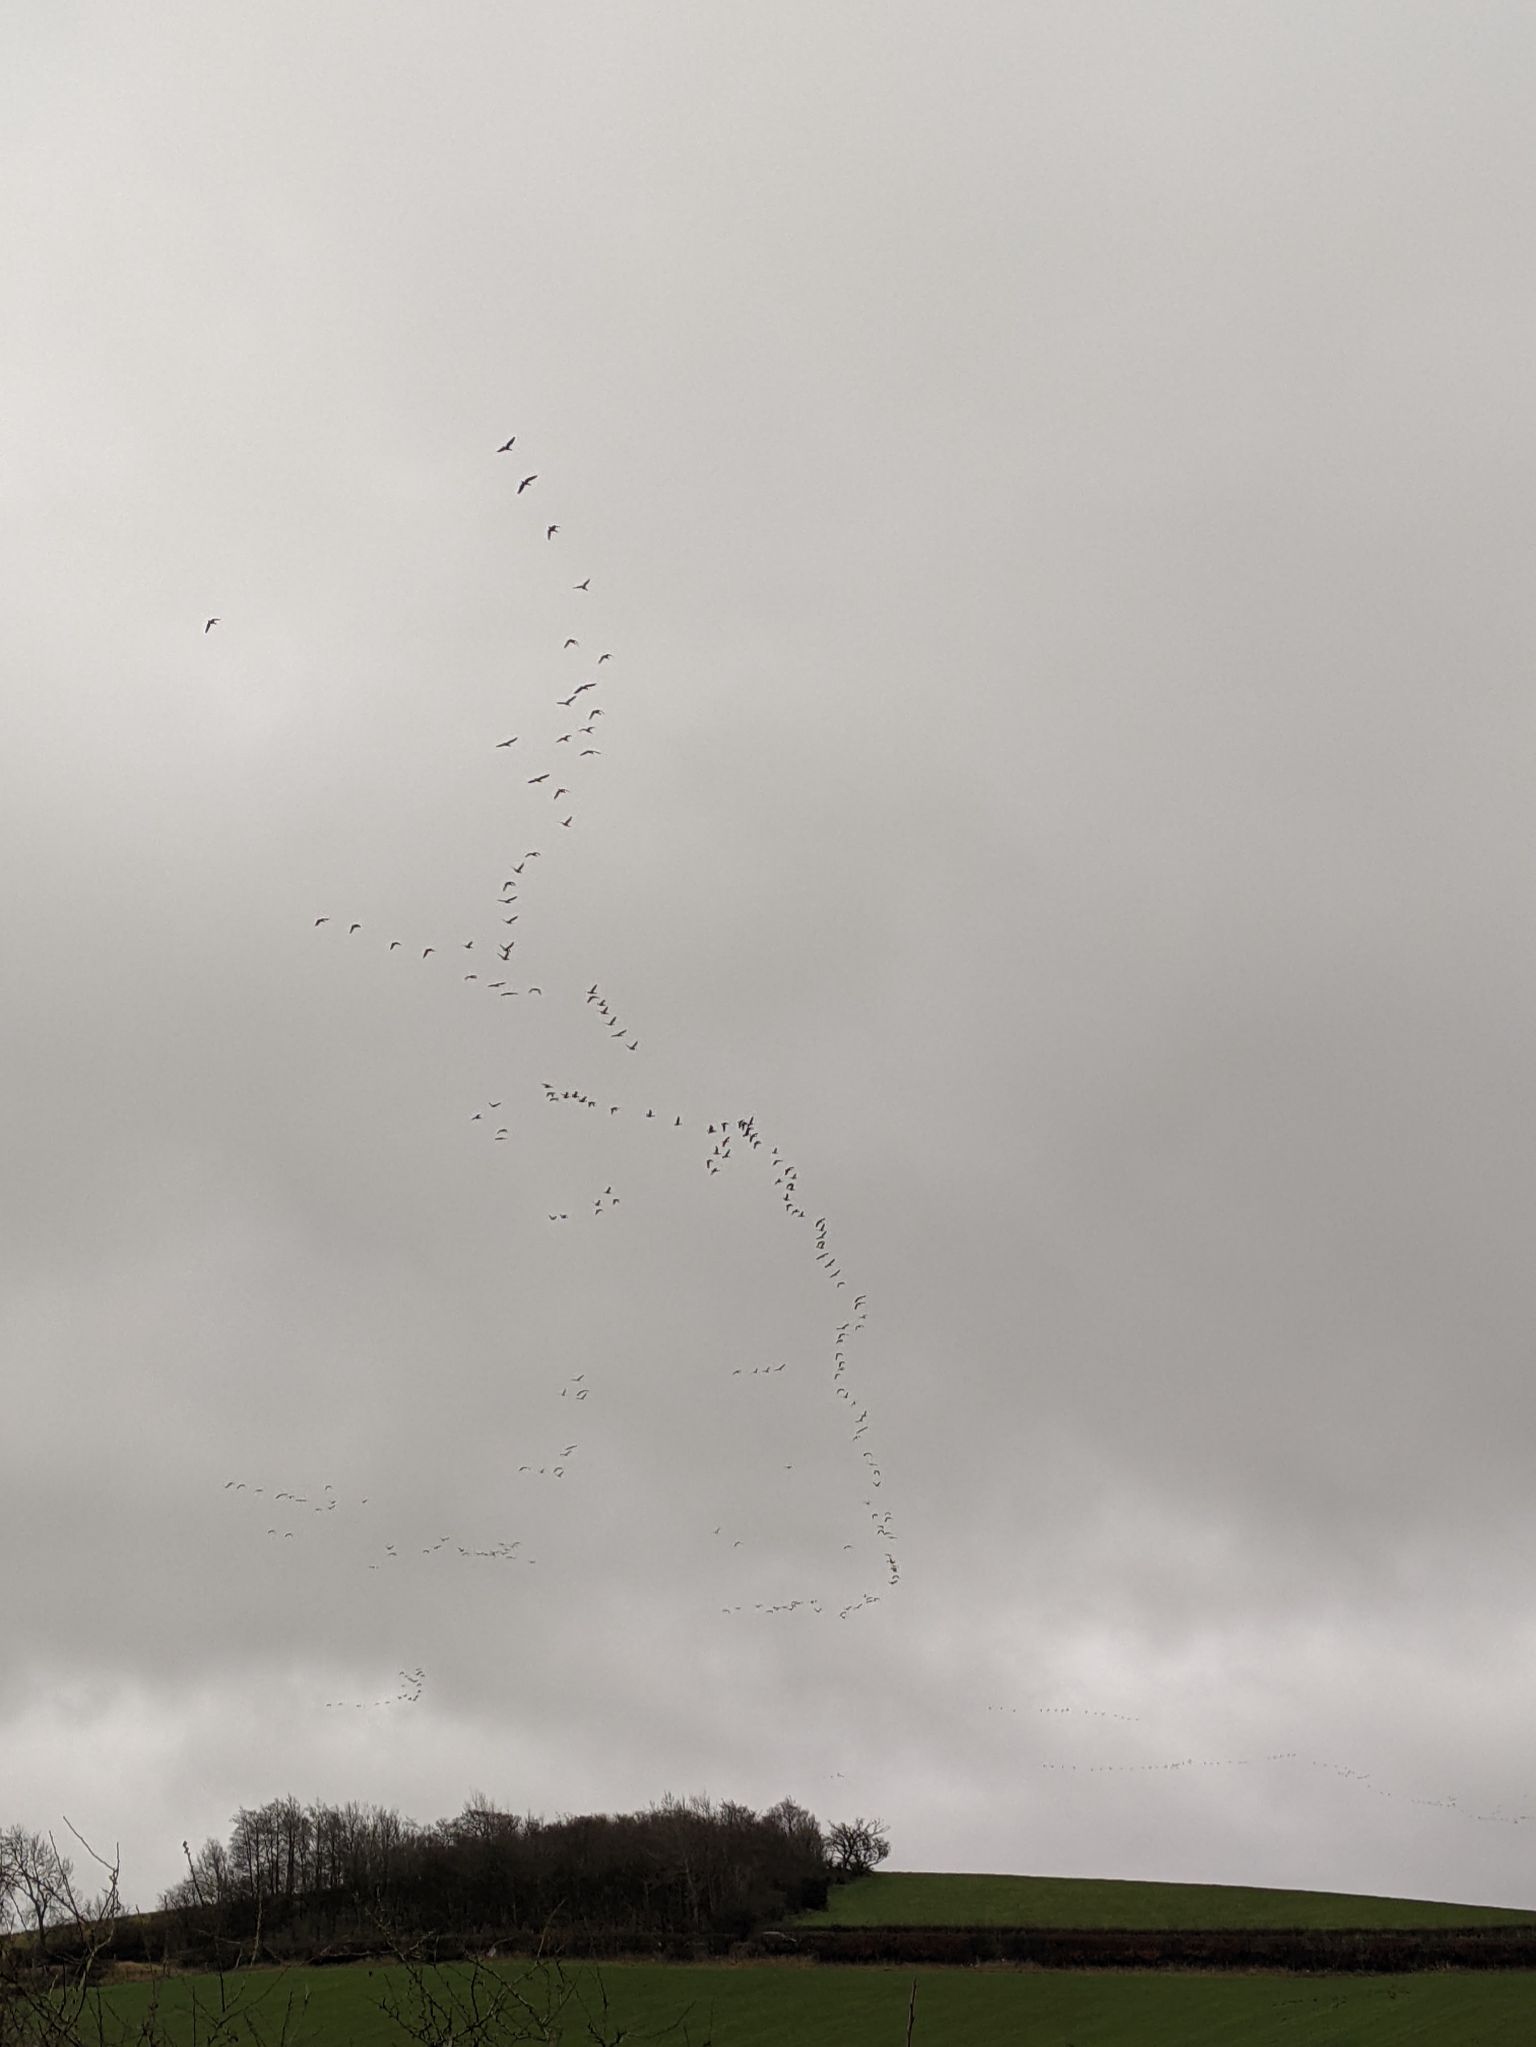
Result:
pixel 900 1898
pixel 792 2005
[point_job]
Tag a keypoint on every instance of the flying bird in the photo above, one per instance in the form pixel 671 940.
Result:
pixel 526 481
pixel 532 779
pixel 321 920
pixel 506 447
pixel 430 948
pixel 583 586
pixel 506 742
pixel 353 927
pixel 602 658
pixel 550 532
pixel 571 643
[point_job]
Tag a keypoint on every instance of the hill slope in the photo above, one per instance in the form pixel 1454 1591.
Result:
pixel 912 1898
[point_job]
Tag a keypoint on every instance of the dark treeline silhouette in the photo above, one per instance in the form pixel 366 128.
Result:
pixel 688 1870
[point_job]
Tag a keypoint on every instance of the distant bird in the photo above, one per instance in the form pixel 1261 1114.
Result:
pixel 506 447
pixel 526 481
pixel 571 643
pixel 208 628
pixel 534 779
pixel 353 927
pixel 506 742
pixel 321 920
pixel 506 950
pixel 430 948
pixel 561 792
pixel 583 586
pixel 394 944
pixel 602 658
pixel 590 753
pixel 566 821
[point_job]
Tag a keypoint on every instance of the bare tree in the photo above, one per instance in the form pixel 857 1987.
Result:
pixel 56 1996
pixel 38 1874
pixel 855 1846
pixel 44 2003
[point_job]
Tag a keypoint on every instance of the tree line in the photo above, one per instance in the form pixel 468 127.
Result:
pixel 683 1867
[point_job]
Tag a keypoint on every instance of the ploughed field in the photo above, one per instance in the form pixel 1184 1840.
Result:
pixel 773 2005
pixel 898 1898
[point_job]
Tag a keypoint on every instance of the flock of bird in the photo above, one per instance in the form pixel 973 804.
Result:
pixel 564 781
pixel 562 775
pixel 1141 1766
pixel 411 1684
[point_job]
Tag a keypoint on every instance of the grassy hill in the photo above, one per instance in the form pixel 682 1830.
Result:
pixel 911 1898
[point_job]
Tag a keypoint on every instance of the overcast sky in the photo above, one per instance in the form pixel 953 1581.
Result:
pixel 1055 487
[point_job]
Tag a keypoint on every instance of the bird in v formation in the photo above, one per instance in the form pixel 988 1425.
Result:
pixel 742 1129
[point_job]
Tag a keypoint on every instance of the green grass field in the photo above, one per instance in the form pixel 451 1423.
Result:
pixel 912 1899
pixel 792 2004
pixel 795 2006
